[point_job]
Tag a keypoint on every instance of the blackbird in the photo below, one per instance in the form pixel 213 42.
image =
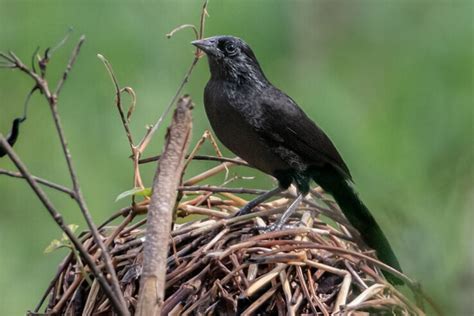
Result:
pixel 266 128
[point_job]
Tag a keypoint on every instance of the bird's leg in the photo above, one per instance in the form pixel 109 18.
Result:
pixel 290 210
pixel 259 199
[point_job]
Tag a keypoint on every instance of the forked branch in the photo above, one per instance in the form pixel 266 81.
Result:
pixel 52 98
pixel 59 220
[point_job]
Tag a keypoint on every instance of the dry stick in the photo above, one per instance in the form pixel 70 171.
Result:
pixel 352 253
pixel 52 283
pixel 59 220
pixel 67 293
pixel 146 139
pixel 304 287
pixel 137 180
pixel 216 189
pixel 75 183
pixel 52 100
pixel 71 62
pixel 138 150
pixel 206 136
pixel 236 161
pixel 118 100
pixel 122 212
pixel 47 183
pixel 208 173
pixel 163 199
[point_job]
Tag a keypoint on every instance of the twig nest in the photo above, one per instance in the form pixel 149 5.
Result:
pixel 223 265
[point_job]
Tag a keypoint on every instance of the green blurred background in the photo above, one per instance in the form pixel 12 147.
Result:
pixel 390 81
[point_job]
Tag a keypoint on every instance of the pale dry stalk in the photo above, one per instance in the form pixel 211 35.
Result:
pixel 160 211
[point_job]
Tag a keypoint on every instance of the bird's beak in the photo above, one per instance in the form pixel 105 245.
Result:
pixel 206 45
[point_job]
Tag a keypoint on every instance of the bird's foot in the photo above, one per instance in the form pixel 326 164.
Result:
pixel 271 228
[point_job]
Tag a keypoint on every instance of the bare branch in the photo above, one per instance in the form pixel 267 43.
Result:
pixel 27 101
pixel 71 62
pixel 118 100
pixel 6 65
pixel 182 27
pixel 202 22
pixel 47 183
pixel 160 212
pixel 75 182
pixel 216 189
pixel 7 58
pixel 137 181
pixel 61 43
pixel 42 84
pixel 236 161
pixel 146 139
pixel 59 220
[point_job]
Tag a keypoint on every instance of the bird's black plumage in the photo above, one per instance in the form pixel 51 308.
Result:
pixel 265 127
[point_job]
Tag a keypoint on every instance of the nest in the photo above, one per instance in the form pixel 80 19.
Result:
pixel 224 265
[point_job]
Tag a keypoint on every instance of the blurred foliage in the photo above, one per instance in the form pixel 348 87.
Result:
pixel 390 81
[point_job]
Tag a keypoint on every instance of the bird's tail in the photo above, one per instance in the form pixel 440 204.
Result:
pixel 358 215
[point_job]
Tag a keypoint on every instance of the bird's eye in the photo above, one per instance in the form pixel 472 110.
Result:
pixel 230 48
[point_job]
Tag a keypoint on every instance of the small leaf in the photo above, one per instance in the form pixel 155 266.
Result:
pixel 134 192
pixel 73 228
pixel 55 244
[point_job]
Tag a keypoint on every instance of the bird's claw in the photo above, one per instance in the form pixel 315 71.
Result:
pixel 270 228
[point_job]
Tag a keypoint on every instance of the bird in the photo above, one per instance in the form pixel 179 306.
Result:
pixel 264 126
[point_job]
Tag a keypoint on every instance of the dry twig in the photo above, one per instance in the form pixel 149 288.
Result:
pixel 220 263
pixel 59 220
pixel 41 84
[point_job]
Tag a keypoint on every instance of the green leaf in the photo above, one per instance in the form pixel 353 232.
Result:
pixel 55 244
pixel 134 192
pixel 64 242
pixel 73 228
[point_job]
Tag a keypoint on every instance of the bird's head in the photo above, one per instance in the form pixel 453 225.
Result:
pixel 230 58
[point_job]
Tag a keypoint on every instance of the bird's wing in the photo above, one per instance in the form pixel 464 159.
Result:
pixel 285 124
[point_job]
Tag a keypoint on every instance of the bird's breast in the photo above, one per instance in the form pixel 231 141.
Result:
pixel 230 114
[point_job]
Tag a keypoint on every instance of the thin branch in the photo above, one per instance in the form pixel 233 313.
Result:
pixel 181 27
pixel 6 65
pixel 47 183
pixel 52 283
pixel 202 22
pixel 118 100
pixel 70 64
pixel 122 212
pixel 52 100
pixel 146 139
pixel 59 220
pixel 380 264
pixel 236 161
pixel 61 42
pixel 75 182
pixel 137 180
pixel 27 101
pixel 7 58
pixel 205 136
pixel 216 189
